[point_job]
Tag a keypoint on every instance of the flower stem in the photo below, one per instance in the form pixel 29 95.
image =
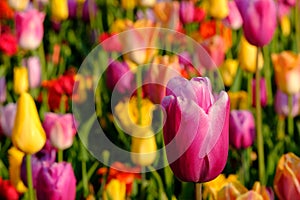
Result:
pixel 260 141
pixel 60 155
pixel 249 88
pixel 84 179
pixel 198 189
pixel 290 116
pixel 139 93
pixel 297 26
pixel 29 177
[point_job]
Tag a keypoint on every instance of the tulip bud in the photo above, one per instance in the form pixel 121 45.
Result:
pixel 33 65
pixel 287 177
pixel 21 83
pixel 259 17
pixel 15 158
pixel 60 129
pixel 7 118
pixel 228 71
pixel 72 8
pixel 285 25
pixel 241 128
pixel 186 11
pixel 128 4
pixel 59 10
pixel 56 181
pixel 281 104
pixel 114 190
pixel 2 90
pixel 28 134
pixel 247 56
pixel 18 5
pixel 263 92
pixel 218 8
pixel 143 149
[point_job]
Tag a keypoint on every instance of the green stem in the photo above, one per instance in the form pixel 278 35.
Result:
pixel 260 141
pixel 60 155
pixel 280 128
pixel 29 177
pixel 89 175
pixel 268 74
pixel 297 26
pixel 290 116
pixel 245 166
pixel 139 92
pixel 198 189
pixel 41 53
pixel 249 88
pixel 84 179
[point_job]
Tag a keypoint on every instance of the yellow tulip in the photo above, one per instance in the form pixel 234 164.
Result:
pixel 238 100
pixel 21 83
pixel 143 148
pixel 247 56
pixel 115 190
pixel 128 4
pixel 59 10
pixel 218 8
pixel 285 25
pixel 228 71
pixel 28 134
pixel 15 158
pixel 18 5
pixel 119 25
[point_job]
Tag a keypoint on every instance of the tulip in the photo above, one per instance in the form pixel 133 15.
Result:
pixel 266 192
pixel 238 100
pixel 147 3
pixel 2 89
pixel 60 129
pixel 33 65
pixel 186 11
pixel 259 17
pixel 59 10
pixel 89 10
pixel 287 71
pixel 199 14
pixel 28 134
pixel 8 44
pixel 143 148
pixel 196 129
pixel 167 13
pixel 228 71
pixel 29 28
pixel 281 104
pixel 234 18
pixel 241 128
pixel 6 11
pixel 113 43
pixel 18 5
pixel 114 190
pixel 285 25
pixel 218 8
pixel 128 4
pixel 247 56
pixel 56 181
pixel 250 195
pixel 263 92
pixel 287 177
pixel 7 118
pixel 119 77
pixel 20 80
pixel 7 190
pixel 147 14
pixel 72 8
pixel 15 158
pixel 162 69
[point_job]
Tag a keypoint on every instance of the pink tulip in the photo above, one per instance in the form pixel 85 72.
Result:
pixel 241 128
pixel 60 129
pixel 196 129
pixel 234 19
pixel 186 11
pixel 2 89
pixel 259 18
pixel 29 28
pixel 33 65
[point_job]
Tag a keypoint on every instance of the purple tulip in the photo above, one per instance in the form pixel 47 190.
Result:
pixel 234 18
pixel 147 14
pixel 259 17
pixel 56 182
pixel 186 11
pixel 2 90
pixel 89 10
pixel 60 129
pixel 72 7
pixel 119 76
pixel 45 157
pixel 33 65
pixel 263 93
pixel 7 118
pixel 241 128
pixel 281 104
pixel 196 129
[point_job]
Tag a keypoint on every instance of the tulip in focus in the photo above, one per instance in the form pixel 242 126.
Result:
pixel 241 128
pixel 15 158
pixel 33 65
pixel 287 177
pixel 2 89
pixel 287 71
pixel 228 71
pixel 263 92
pixel 60 129
pixel 259 20
pixel 7 118
pixel 247 56
pixel 115 190
pixel 29 28
pixel 56 181
pixel 281 104
pixel 218 8
pixel 18 5
pixel 234 18
pixel 196 129
pixel 28 134
pixel 59 10
pixel 21 82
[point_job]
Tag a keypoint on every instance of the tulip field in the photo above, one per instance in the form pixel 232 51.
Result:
pixel 149 99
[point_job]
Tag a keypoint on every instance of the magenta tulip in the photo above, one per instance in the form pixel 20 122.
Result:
pixel 2 89
pixel 72 7
pixel 7 118
pixel 259 17
pixel 234 19
pixel 263 92
pixel 196 129
pixel 281 104
pixel 284 7
pixel 29 28
pixel 186 11
pixel 56 182
pixel 33 65
pixel 60 129
pixel 89 10
pixel 241 128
